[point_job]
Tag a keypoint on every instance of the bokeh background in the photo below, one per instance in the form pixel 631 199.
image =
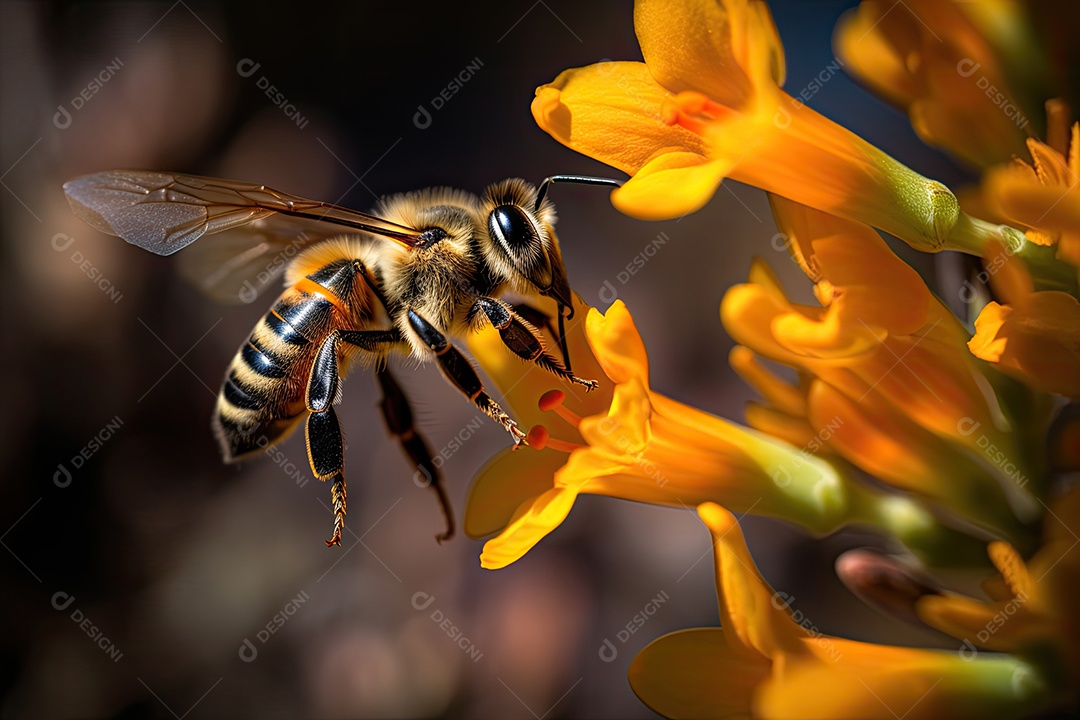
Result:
pixel 141 577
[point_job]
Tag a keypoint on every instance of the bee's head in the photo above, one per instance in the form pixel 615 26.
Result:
pixel 519 241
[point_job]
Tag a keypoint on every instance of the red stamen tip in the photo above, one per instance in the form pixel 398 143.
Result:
pixel 551 400
pixel 538 437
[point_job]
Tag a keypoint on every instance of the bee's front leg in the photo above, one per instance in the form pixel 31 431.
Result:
pixel 457 369
pixel 524 340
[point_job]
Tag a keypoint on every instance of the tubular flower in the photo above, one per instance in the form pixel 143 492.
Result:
pixel 1032 611
pixel 928 57
pixel 760 663
pixel 706 104
pixel 646 447
pixel 888 381
pixel 1033 336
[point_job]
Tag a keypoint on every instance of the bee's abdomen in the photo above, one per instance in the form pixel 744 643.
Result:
pixel 262 397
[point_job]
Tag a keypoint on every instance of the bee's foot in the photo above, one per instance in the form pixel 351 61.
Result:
pixel 589 385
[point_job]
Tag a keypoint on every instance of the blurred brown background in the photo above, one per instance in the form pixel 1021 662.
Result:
pixel 141 576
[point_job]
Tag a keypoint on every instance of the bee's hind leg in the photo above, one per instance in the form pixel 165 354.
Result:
pixel 325 453
pixel 399 421
pixel 326 450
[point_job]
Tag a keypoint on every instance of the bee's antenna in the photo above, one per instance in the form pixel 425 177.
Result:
pixel 579 179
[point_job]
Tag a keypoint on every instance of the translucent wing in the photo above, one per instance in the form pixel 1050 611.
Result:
pixel 258 228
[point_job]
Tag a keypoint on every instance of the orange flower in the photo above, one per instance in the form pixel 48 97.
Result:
pixel 760 663
pixel 1043 196
pixel 928 57
pixel 1032 610
pixel 1033 336
pixel 888 380
pixel 706 104
pixel 640 445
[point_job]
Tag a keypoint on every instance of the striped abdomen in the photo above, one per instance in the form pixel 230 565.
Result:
pixel 262 398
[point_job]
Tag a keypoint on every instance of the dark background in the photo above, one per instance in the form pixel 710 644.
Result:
pixel 177 559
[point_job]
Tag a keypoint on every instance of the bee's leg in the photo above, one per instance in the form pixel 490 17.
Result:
pixel 458 370
pixel 536 317
pixel 525 341
pixel 540 319
pixel 326 455
pixel 399 421
pixel 326 451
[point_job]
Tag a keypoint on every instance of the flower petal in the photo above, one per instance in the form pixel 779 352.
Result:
pixel 1038 343
pixel 532 521
pixel 723 48
pixel 753 617
pixel 873 47
pixel 695 674
pixel 611 112
pixel 887 444
pixel 509 479
pixel 670 186
pixel 869 280
pixel 625 428
pixel 617 344
pixel 1016 196
pixel 1006 626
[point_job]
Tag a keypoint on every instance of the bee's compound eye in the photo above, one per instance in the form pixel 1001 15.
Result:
pixel 512 228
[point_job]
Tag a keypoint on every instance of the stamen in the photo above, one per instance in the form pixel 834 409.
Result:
pixel 553 400
pixel 563 445
pixel 539 438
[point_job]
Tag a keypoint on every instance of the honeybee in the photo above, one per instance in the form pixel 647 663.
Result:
pixel 426 266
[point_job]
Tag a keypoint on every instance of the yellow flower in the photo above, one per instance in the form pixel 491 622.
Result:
pixel 645 447
pixel 887 377
pixel 1032 611
pixel 1043 196
pixel 640 446
pixel 760 663
pixel 929 57
pixel 707 104
pixel 1033 336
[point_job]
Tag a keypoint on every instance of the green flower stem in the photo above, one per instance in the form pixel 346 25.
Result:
pixel 823 498
pixel 917 528
pixel 970 236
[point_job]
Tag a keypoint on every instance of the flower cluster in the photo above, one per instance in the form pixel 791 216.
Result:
pixel 950 419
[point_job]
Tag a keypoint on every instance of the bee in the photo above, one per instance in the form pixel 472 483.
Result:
pixel 425 267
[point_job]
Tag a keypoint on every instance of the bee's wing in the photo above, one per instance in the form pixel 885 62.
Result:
pixel 164 212
pixel 238 264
